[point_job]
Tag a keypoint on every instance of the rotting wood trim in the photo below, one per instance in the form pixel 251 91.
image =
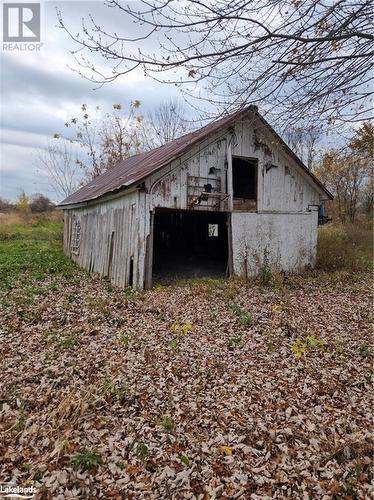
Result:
pixel 230 258
pixel 110 260
pixel 148 260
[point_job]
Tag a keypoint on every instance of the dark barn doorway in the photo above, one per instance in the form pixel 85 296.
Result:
pixel 189 244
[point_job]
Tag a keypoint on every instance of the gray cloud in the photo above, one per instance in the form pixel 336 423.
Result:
pixel 39 92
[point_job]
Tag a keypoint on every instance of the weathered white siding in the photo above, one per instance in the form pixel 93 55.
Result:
pixel 169 187
pixel 281 241
pixel 283 232
pixel 110 238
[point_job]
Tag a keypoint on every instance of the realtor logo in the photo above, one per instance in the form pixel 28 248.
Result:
pixel 11 490
pixel 21 22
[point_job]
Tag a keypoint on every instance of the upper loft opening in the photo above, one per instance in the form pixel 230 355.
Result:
pixel 244 183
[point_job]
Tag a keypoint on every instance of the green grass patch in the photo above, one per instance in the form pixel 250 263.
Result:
pixel 243 317
pixel 32 252
pixel 86 460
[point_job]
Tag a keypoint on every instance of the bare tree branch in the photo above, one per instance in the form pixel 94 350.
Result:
pixel 309 59
pixel 166 123
pixel 59 163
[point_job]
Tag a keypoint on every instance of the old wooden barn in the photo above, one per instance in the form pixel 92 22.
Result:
pixel 229 198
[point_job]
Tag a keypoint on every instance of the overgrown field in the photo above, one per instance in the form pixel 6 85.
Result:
pixel 211 389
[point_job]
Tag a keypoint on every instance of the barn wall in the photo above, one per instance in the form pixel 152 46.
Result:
pixel 284 187
pixel 111 235
pixel 282 241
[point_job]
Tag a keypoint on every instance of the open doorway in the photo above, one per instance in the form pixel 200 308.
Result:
pixel 189 244
pixel 244 183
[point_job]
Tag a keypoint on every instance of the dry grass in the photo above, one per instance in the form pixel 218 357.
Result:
pixel 9 219
pixel 345 247
pixel 14 225
pixel 16 218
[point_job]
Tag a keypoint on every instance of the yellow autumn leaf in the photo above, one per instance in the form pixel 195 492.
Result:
pixel 187 327
pixel 183 328
pixel 226 450
pixel 299 348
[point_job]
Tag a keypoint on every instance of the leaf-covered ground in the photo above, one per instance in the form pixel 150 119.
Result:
pixel 216 389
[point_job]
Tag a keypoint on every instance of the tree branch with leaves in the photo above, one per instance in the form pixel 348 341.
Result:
pixel 348 173
pixel 104 139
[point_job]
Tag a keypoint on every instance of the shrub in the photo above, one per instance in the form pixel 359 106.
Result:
pixel 86 460
pixel 344 247
pixel 243 317
pixel 40 203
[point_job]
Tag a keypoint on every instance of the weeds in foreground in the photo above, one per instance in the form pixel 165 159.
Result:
pixel 116 389
pixel 61 341
pixel 129 294
pixel 20 423
pixel 265 276
pixel 270 346
pixel 350 491
pixel 70 341
pixel 173 343
pixel 300 347
pixel 168 424
pixel 101 305
pixel 234 342
pixel 86 460
pixel 183 328
pixel 139 449
pixel 124 340
pixel 243 317
pixel 364 351
pixel 71 408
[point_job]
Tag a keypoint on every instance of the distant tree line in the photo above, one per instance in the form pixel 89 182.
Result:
pixel 36 204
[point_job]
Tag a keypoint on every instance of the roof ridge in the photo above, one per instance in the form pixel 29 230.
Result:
pixel 133 169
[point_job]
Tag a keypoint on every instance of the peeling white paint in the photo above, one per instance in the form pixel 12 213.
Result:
pixel 281 241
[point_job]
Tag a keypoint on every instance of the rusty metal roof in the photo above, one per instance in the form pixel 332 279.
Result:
pixel 134 169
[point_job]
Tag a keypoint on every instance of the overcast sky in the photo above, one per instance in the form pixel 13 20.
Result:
pixel 39 93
